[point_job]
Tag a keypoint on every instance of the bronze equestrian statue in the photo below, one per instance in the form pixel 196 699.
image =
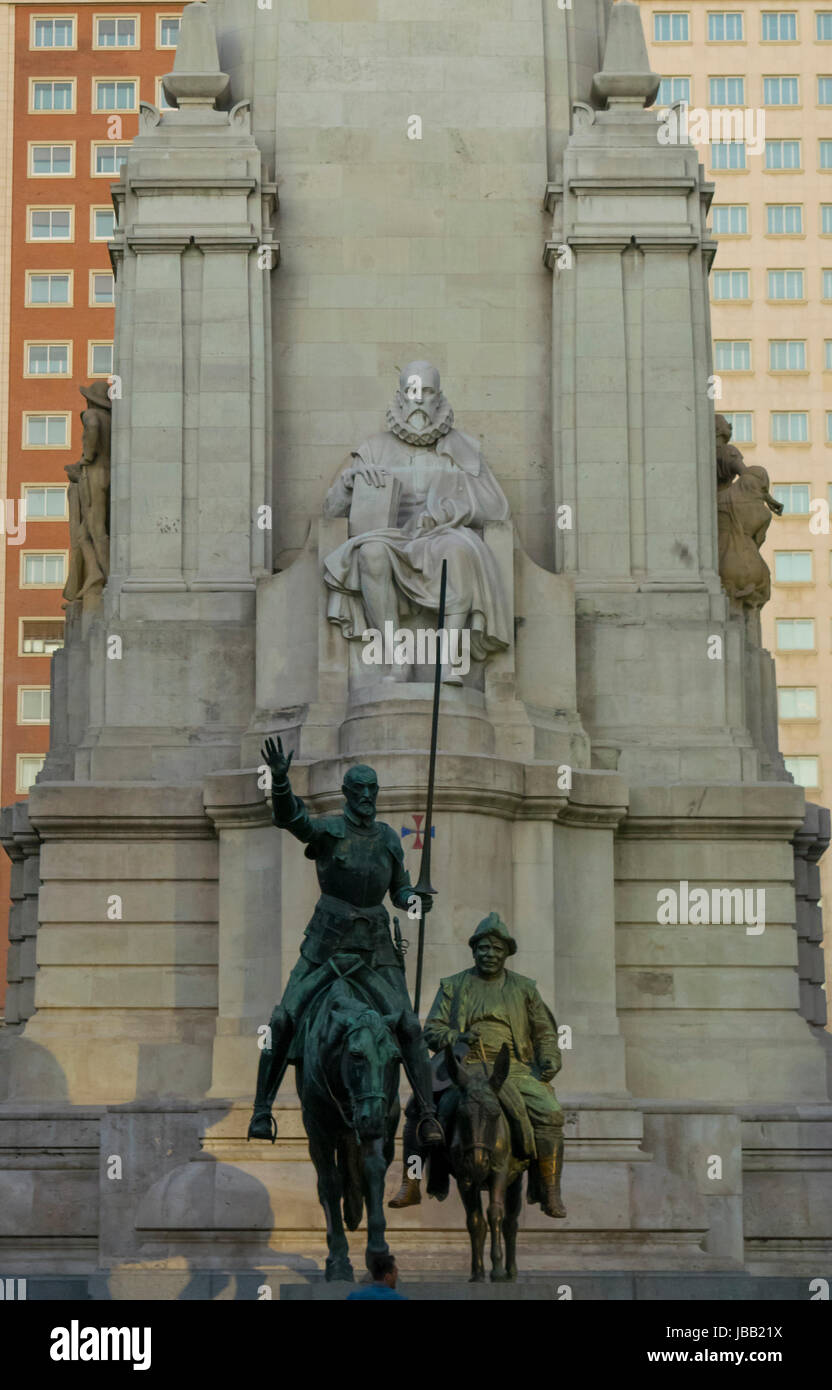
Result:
pixel 358 860
pixel 475 1013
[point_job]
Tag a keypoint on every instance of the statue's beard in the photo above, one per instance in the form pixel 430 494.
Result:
pixel 407 430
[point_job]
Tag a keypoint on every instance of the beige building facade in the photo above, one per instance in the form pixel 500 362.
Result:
pixel 767 72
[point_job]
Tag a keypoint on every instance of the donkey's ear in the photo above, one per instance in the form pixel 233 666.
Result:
pixel 455 1069
pixel 501 1067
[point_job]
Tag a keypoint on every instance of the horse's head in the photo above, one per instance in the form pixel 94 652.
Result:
pixel 478 1117
pixel 368 1054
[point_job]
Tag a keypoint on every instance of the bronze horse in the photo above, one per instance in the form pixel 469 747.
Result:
pixel 348 1083
pixel 479 1152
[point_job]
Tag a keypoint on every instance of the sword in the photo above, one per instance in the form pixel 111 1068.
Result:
pixel 423 888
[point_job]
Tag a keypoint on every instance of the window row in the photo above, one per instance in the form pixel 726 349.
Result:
pixel 782 219
pixel 58 224
pixel 796 566
pixel 730 91
pixel 728 26
pixel 55 359
pixel 58 160
pixel 109 94
pixel 784 355
pixel 55 288
pixel 781 285
pixel 785 426
pixel 780 156
pixel 108 31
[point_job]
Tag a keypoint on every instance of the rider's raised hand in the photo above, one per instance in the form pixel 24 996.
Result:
pixel 277 760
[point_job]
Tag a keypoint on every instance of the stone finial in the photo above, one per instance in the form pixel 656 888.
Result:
pixel 196 79
pixel 626 78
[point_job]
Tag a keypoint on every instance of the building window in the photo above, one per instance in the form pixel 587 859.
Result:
pixel 671 28
pixel 804 771
pixel 829 426
pixel 728 154
pixel 112 95
pixel 825 91
pixel 823 26
pixel 731 219
pixel 51 160
pixel 789 427
pixel 826 284
pixel 50 224
pixel 782 154
pixel 54 95
pixel 673 89
pixel 102 224
pixel 797 701
pixel 825 153
pixel 40 636
pixel 742 425
pixel 167 32
pixel 732 356
pixel 116 33
pixel 43 569
pixel 785 284
pixel 52 31
pixel 779 26
pixel 784 219
pixel 787 355
pixel 47 287
pixel 731 284
pixel 726 91
pixel 794 496
pixel 44 502
pixel 795 634
pixel 108 158
pixel 827 355
pixel 102 287
pixel 28 766
pixel 724 26
pixel 45 431
pixel 33 704
pixel 826 219
pixel 100 361
pixel 780 91
pixel 793 566
pixel 47 359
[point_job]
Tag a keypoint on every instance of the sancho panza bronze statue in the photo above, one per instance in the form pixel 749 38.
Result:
pixel 358 860
pixel 475 1013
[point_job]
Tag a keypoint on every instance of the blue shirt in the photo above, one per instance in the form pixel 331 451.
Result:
pixel 368 1291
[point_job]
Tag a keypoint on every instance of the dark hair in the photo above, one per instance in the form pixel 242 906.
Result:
pixel 380 1266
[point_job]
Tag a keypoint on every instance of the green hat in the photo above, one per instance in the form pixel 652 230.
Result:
pixel 493 925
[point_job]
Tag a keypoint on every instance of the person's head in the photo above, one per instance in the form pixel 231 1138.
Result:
pixel 723 429
pixel 491 943
pixel 420 395
pixel 360 790
pixel 383 1269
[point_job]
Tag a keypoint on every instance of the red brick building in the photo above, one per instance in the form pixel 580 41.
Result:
pixel 78 72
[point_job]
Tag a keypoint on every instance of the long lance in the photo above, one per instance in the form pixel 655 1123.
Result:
pixel 423 888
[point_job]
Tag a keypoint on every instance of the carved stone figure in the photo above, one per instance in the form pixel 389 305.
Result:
pixel 390 572
pixel 744 506
pixel 89 501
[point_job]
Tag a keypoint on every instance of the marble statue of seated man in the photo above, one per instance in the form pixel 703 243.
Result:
pixel 443 492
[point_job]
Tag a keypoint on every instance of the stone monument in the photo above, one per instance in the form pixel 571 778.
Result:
pixel 485 199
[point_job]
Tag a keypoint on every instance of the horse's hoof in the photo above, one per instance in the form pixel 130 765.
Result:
pixel 477 1279
pixel 340 1272
pixel 500 1276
